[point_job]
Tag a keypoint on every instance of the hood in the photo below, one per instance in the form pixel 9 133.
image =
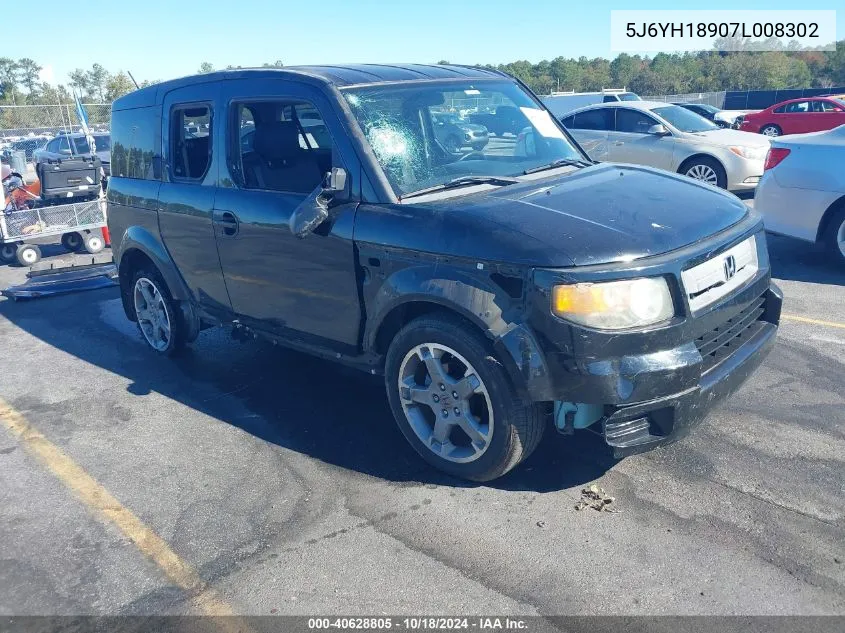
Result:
pixel 726 138
pixel 597 215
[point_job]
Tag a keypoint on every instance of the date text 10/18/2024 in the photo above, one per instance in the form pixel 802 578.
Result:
pixel 480 623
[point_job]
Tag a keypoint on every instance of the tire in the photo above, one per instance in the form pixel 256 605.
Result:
pixel 834 237
pixel 452 144
pixel 771 130
pixel 706 170
pixel 94 243
pixel 72 241
pixel 8 252
pixel 28 254
pixel 512 430
pixel 150 324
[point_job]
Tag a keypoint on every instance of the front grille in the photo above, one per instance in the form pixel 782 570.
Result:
pixel 721 342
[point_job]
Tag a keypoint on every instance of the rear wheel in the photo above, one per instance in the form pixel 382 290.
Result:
pixel 156 313
pixel 707 170
pixel 454 402
pixel 8 252
pixel 72 241
pixel 771 130
pixel 835 236
pixel 28 254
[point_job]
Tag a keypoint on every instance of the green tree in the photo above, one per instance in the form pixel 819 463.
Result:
pixel 118 85
pixel 623 69
pixel 97 78
pixel 79 81
pixel 27 72
pixel 204 68
pixel 9 79
pixel 276 64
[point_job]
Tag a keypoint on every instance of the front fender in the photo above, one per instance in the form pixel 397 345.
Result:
pixel 480 301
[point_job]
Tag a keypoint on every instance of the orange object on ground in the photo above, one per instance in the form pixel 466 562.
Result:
pixel 106 237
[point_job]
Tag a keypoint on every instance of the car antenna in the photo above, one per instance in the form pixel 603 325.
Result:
pixel 137 87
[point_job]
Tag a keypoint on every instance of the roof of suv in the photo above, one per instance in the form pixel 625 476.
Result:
pixel 337 75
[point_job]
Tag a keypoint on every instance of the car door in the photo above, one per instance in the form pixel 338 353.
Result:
pixel 831 114
pixel 590 128
pixel 630 141
pixel 306 289
pixel 186 196
pixel 796 118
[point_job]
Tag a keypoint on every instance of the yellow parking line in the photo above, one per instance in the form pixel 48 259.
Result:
pixel 204 599
pixel 800 319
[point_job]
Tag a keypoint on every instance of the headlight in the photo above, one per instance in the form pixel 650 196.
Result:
pixel 614 305
pixel 751 153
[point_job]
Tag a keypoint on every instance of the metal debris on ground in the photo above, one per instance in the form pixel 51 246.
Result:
pixel 54 281
pixel 595 498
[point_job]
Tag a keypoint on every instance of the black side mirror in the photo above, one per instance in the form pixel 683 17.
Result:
pixel 315 209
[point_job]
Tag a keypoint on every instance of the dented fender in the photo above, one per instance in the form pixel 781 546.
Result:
pixel 472 294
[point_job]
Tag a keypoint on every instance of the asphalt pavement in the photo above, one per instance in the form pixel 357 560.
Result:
pixel 243 478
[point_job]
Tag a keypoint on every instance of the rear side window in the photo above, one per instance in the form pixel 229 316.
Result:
pixel 136 143
pixel 190 142
pixel 600 119
pixel 798 107
pixel 779 110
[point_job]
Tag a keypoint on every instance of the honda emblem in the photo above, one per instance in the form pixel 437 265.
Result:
pixel 730 267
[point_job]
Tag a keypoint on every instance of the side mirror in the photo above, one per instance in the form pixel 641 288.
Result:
pixel 314 210
pixel 658 130
pixel 334 185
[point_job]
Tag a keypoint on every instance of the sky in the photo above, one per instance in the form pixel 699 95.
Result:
pixel 161 39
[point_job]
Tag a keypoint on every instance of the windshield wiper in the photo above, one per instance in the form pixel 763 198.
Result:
pixel 463 181
pixel 561 162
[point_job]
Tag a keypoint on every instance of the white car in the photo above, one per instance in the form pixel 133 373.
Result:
pixel 669 137
pixel 802 192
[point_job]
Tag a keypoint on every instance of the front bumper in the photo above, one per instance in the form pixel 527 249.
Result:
pixel 652 386
pixel 641 427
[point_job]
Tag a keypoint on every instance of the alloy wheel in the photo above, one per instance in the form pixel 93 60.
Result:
pixel 445 402
pixel 705 173
pixel 840 238
pixel 151 312
pixel 770 130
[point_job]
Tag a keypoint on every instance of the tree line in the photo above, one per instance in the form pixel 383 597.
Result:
pixel 662 74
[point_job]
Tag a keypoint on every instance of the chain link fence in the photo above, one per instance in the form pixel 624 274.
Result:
pixel 49 120
pixel 716 99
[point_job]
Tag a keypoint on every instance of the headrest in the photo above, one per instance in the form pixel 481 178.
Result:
pixel 276 140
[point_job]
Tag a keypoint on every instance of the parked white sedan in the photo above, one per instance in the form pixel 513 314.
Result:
pixel 669 137
pixel 802 192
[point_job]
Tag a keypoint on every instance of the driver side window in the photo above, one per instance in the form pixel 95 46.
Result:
pixel 633 122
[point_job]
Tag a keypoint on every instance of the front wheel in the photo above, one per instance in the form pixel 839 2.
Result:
pixel 771 130
pixel 28 254
pixel 454 402
pixel 835 237
pixel 707 170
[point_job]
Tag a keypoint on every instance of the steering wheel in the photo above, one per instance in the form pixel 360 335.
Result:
pixel 472 153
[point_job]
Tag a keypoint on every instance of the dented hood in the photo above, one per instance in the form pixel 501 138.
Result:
pixel 601 214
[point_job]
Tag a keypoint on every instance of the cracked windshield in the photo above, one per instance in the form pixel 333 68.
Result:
pixel 428 136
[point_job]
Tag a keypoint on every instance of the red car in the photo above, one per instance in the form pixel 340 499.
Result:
pixel 797 116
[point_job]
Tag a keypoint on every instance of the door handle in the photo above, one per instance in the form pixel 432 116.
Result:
pixel 228 223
